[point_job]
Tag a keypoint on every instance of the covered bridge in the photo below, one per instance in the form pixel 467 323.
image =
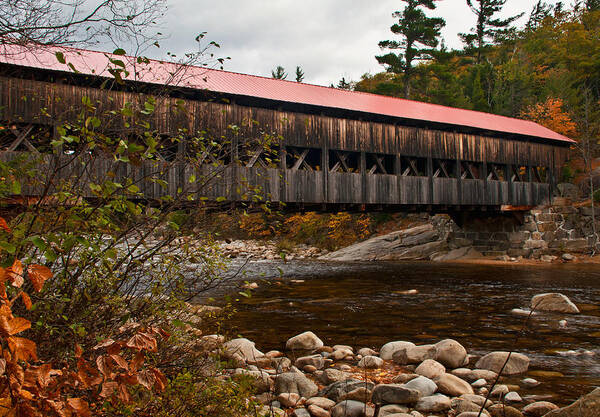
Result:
pixel 338 148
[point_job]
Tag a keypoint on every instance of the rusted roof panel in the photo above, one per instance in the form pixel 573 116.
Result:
pixel 167 73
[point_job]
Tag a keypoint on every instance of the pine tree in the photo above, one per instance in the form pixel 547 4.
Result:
pixel 344 85
pixel 488 27
pixel 299 74
pixel 540 11
pixel 592 5
pixel 419 35
pixel 279 73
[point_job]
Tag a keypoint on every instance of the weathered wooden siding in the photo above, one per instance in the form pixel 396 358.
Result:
pixel 42 103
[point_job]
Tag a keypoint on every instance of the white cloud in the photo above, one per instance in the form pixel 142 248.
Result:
pixel 328 39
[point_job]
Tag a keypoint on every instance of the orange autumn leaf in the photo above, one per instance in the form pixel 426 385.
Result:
pixel 14 274
pixel 142 341
pixel 10 327
pixel 21 348
pixel 550 114
pixel 4 225
pixel 78 351
pixel 108 388
pixel 146 378
pixel 79 406
pixel 26 300
pixel 161 379
pixel 38 274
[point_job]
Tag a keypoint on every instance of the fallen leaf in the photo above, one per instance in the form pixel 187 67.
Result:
pixel 14 274
pixel 26 300
pixel 4 225
pixel 79 406
pixel 21 348
pixel 38 274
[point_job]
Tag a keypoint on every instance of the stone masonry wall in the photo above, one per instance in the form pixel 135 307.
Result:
pixel 553 230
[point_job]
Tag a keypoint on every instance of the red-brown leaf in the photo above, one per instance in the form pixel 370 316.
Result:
pixel 137 361
pixel 26 300
pixel 78 351
pixel 2 366
pixel 22 349
pixel 124 394
pixel 120 361
pixel 3 225
pixel 161 379
pixel 38 274
pixel 146 378
pixel 104 366
pixel 142 341
pixel 79 406
pixel 108 389
pixel 14 274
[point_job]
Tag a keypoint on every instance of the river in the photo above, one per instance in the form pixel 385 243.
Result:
pixel 367 304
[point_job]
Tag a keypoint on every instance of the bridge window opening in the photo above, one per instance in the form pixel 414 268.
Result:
pixel 518 173
pixel 444 168
pixel 305 159
pixel 540 174
pixel 340 161
pixel 495 172
pixel 200 150
pixel 471 170
pixel 26 138
pixel 380 164
pixel 413 167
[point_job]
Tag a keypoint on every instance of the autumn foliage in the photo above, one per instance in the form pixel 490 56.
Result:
pixel 30 387
pixel 551 114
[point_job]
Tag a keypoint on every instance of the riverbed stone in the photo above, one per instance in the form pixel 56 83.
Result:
pixel 336 390
pixel 414 354
pixel 315 360
pixel 261 381
pixel 289 399
pixel 450 353
pixel 473 414
pixel 392 409
pixel 301 412
pixel 425 386
pixel 370 362
pixel 517 364
pixel 530 383
pixel 404 378
pixel 499 391
pixel 304 341
pixel 502 410
pixel 241 349
pixel 430 369
pixel 359 394
pixel 387 351
pixel 331 375
pixel 586 406
pixel 394 394
pixel 323 402
pixel 452 385
pixel 513 397
pixel 433 404
pixel 554 302
pixel 460 405
pixel 317 411
pixel 340 354
pixel 479 383
pixel 349 408
pixel 367 352
pixel 293 382
pixel 479 400
pixel 541 408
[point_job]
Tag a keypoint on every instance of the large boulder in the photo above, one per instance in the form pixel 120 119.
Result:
pixel 414 354
pixel 339 389
pixel 430 369
pixel 387 351
pixel 395 394
pixel 295 382
pixel 452 385
pixel 517 364
pixel 450 353
pixel 586 406
pixel 433 404
pixel 350 408
pixel 541 408
pixel 304 341
pixel 555 302
pixel 425 386
pixel 242 350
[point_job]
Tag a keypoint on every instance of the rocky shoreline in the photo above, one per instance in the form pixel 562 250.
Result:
pixel 400 379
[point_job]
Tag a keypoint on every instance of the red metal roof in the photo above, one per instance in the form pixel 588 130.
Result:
pixel 160 72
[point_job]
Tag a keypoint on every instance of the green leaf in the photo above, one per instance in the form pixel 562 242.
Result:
pixel 60 57
pixel 221 199
pixel 119 51
pixel 9 247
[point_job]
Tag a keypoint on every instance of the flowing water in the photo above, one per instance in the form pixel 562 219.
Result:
pixel 367 304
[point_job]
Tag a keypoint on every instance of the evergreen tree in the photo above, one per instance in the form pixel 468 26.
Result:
pixel 419 35
pixel 279 73
pixel 299 74
pixel 344 85
pixel 540 11
pixel 592 5
pixel 488 27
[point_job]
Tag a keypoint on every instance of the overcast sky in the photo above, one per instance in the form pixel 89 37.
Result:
pixel 329 39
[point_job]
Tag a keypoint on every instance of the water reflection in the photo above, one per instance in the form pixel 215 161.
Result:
pixel 370 304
